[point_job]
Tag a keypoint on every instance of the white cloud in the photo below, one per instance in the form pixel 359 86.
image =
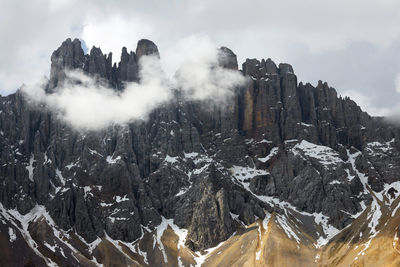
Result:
pixel 111 33
pixel 88 105
pixel 366 104
pixel 193 62
pixel 397 83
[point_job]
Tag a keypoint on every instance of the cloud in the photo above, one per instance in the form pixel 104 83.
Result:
pixel 359 69
pixel 391 112
pixel 118 31
pixel 397 83
pixel 194 60
pixel 86 104
pixel 366 104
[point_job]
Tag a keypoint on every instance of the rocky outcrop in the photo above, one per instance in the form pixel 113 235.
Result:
pixel 70 56
pixel 227 58
pixel 127 67
pixel 146 48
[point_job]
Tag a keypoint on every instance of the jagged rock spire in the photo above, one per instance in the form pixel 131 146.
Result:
pixel 146 47
pixel 127 67
pixel 69 55
pixel 270 66
pixel 285 68
pixel 99 63
pixel 227 59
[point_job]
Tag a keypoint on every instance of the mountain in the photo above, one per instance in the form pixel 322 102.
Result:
pixel 282 174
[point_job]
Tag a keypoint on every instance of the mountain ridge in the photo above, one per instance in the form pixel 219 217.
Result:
pixel 312 159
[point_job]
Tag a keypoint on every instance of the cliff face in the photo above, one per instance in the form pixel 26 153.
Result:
pixel 279 157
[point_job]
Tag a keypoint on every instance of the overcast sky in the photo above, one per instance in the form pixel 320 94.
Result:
pixel 353 45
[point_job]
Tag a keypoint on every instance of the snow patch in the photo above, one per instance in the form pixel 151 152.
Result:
pixel 111 160
pixel 286 227
pixel 244 174
pixel 305 124
pixel 121 199
pixel 329 230
pixel 200 258
pixel 170 159
pixel 182 192
pixel 258 255
pixel 272 153
pixel 30 168
pixel 290 141
pixel 349 176
pixel 374 216
pixel 181 233
pixel 325 155
pixel 94 152
pixel 11 234
pixel 191 155
pixel 86 190
pixel 264 224
pixel 72 164
pixel 380 147
pixel 59 175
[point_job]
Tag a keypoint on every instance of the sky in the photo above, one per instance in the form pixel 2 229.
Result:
pixel 352 45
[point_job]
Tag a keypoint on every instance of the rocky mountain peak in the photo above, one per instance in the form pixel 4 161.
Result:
pixel 124 55
pixel 69 55
pixel 98 63
pixel 270 66
pixel 285 68
pixel 145 48
pixel 227 59
pixel 257 69
pixel 127 67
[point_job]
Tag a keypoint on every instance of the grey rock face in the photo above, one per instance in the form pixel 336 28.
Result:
pixel 270 66
pixel 99 64
pixel 145 48
pixel 127 67
pixel 207 167
pixel 227 58
pixel 211 222
pixel 69 55
pixel 285 68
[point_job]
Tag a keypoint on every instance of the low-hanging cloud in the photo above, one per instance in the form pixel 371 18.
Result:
pixel 198 72
pixel 393 114
pixel 397 83
pixel 87 104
